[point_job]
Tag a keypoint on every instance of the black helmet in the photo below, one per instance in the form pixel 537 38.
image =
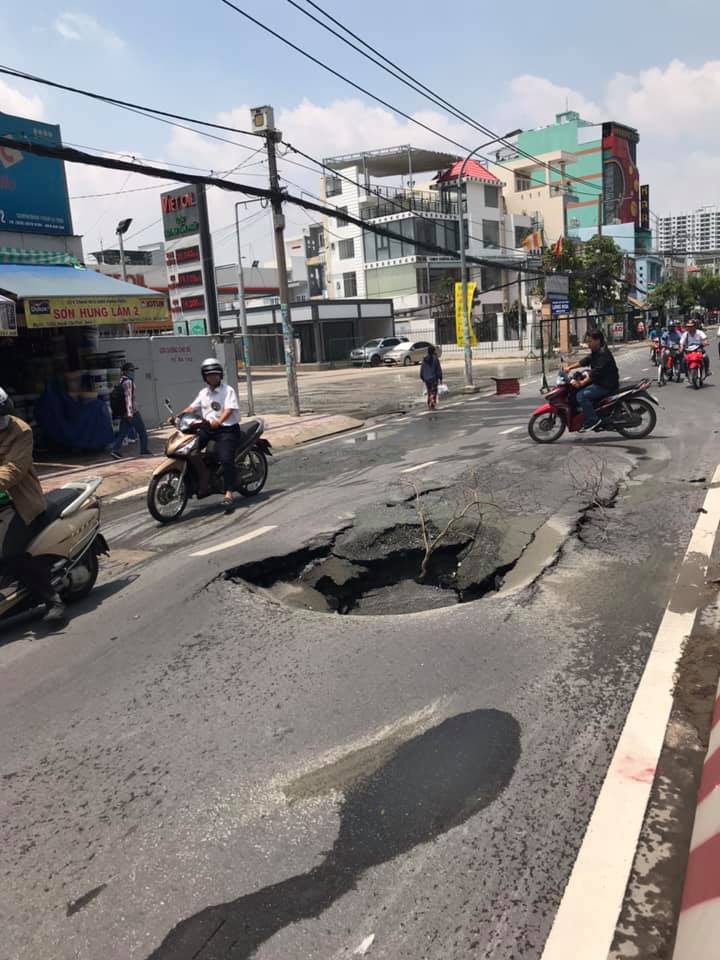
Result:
pixel 7 407
pixel 211 365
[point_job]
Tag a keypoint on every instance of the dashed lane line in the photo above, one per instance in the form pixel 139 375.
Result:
pixel 509 430
pixel 235 542
pixel 419 466
pixel 585 922
pixel 338 436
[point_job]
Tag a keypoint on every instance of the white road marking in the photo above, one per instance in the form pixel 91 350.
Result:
pixel 509 430
pixel 587 917
pixel 644 369
pixel 529 383
pixel 129 494
pixel 235 542
pixel 626 378
pixel 458 403
pixel 420 466
pixel 402 420
pixel 338 436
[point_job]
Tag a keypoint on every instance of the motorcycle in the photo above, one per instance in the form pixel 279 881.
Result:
pixel 695 365
pixel 69 538
pixel 669 366
pixel 629 411
pixel 181 476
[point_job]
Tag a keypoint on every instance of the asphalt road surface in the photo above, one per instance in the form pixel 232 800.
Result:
pixel 193 770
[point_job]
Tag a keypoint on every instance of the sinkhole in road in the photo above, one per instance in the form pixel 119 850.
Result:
pixel 375 566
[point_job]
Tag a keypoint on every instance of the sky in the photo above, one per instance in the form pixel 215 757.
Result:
pixel 651 64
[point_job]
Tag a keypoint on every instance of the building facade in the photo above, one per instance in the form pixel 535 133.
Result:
pixel 695 232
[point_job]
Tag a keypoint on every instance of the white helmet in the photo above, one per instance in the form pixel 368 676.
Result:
pixel 211 365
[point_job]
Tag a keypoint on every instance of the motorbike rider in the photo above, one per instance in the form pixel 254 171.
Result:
pixel 217 404
pixel 22 507
pixel 670 337
pixel 695 339
pixel 599 381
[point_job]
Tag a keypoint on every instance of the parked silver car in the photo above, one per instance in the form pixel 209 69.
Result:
pixel 409 353
pixel 373 351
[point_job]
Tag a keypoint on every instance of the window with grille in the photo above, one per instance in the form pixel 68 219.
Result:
pixel 350 284
pixel 346 249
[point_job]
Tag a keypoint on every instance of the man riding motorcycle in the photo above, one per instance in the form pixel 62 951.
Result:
pixel 694 339
pixel 601 380
pixel 22 506
pixel 670 337
pixel 217 404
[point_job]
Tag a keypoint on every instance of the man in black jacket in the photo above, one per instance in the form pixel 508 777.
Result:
pixel 600 381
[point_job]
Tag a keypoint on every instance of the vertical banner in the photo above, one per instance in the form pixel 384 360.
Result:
pixel 645 206
pixel 459 332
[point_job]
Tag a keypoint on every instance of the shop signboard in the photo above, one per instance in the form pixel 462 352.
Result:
pixel 188 243
pixel 197 327
pixel 94 311
pixel 180 213
pixel 33 190
pixel 559 308
pixel 645 206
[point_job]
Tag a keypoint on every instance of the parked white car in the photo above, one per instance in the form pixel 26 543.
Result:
pixel 373 351
pixel 408 353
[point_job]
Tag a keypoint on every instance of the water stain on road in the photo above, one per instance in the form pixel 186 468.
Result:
pixel 428 785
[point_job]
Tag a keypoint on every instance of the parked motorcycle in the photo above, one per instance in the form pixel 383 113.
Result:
pixel 629 411
pixel 695 365
pixel 71 541
pixel 180 476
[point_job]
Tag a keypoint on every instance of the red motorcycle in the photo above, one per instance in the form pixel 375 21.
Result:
pixel 695 366
pixel 629 412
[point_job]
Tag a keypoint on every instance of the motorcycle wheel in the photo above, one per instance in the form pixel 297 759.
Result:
pixel 254 467
pixel 661 375
pixel 546 427
pixel 82 578
pixel 696 379
pixel 646 411
pixel 167 496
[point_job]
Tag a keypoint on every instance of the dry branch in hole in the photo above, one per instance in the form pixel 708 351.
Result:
pixel 588 476
pixel 471 500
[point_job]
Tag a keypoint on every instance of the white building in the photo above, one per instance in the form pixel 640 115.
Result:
pixel 359 263
pixel 690 233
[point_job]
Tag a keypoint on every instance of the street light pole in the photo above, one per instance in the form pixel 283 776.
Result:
pixel 243 319
pixel 467 349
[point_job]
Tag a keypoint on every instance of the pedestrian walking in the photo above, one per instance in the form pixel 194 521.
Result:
pixel 130 418
pixel 431 375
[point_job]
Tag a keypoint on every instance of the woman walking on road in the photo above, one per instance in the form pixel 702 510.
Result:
pixel 431 375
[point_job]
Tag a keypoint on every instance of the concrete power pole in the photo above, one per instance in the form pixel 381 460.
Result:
pixel 263 120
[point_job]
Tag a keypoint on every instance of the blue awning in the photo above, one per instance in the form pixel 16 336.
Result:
pixel 25 280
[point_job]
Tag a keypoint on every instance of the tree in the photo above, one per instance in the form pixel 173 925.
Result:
pixel 595 269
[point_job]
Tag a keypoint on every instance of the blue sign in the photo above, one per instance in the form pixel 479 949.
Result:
pixel 559 308
pixel 33 190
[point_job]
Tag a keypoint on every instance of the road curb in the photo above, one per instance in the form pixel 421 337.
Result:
pixel 698 931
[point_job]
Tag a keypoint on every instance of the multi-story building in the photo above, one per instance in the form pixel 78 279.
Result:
pixel 695 232
pixel 586 179
pixel 361 263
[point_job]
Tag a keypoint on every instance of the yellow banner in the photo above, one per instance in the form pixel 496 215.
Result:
pixel 459 333
pixel 94 311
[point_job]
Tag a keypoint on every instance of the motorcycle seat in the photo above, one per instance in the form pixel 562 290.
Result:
pixel 55 503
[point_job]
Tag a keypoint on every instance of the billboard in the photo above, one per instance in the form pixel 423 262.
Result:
pixel 33 190
pixel 621 184
pixel 645 206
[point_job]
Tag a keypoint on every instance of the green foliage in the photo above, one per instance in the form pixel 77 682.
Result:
pixel 596 272
pixel 698 290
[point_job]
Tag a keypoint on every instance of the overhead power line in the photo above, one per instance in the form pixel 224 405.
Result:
pixel 76 156
pixel 418 87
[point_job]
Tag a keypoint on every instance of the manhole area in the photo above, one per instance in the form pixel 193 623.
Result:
pixel 381 565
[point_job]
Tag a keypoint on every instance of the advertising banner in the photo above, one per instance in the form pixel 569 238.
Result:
pixel 645 206
pixel 93 311
pixel 459 333
pixel 33 191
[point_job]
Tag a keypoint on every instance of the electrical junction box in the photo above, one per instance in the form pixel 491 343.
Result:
pixel 262 119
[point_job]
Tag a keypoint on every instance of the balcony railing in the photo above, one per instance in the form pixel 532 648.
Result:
pixel 386 201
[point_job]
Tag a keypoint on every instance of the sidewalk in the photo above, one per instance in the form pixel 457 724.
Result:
pixel 121 476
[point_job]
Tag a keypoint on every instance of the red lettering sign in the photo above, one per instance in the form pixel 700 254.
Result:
pixel 193 303
pixel 187 255
pixel 193 278
pixel 177 203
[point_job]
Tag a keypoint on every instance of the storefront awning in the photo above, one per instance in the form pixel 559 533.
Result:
pixel 638 304
pixel 70 297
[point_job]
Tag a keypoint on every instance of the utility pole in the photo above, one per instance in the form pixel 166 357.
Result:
pixel 263 122
pixel 243 319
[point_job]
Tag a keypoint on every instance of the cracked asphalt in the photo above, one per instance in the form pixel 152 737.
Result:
pixel 191 769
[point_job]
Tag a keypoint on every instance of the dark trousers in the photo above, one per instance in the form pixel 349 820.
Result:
pixel 227 440
pixel 32 572
pixel 126 425
pixel 585 399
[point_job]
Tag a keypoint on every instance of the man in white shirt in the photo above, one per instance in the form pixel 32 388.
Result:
pixel 694 339
pixel 217 404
